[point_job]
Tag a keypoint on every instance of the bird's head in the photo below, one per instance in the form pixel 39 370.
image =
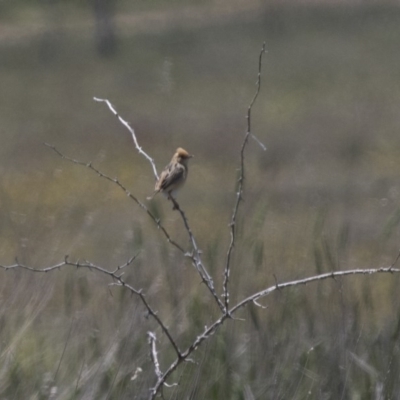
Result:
pixel 182 156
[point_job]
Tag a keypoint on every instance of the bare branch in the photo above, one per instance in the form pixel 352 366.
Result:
pixel 127 264
pixel 196 257
pixel 209 331
pixel 153 353
pixel 258 141
pixel 132 132
pixel 258 304
pixel 117 281
pixel 333 275
pixel 395 261
pixel 239 192
pixel 154 359
pixel 127 192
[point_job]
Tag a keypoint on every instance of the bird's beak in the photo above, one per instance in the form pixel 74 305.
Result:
pixel 191 156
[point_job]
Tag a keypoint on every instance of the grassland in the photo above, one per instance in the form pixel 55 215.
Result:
pixel 324 196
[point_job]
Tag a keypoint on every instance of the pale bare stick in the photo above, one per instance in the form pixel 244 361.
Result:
pixel 153 353
pixel 115 274
pixel 210 330
pixel 183 356
pixel 132 132
pixel 196 255
pixel 239 192
pixel 127 192
pixel 196 258
pixel 154 358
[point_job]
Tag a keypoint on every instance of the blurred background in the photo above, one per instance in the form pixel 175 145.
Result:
pixel 324 196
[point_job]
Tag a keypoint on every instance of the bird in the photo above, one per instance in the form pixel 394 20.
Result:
pixel 174 175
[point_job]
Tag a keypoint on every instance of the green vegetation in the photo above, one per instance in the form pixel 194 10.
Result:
pixel 324 196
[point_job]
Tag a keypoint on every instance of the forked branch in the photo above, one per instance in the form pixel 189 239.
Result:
pixel 239 192
pixel 210 330
pixel 195 256
pixel 183 356
pixel 116 276
pixel 227 311
pixel 127 192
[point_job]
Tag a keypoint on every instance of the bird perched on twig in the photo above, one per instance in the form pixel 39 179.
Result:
pixel 174 174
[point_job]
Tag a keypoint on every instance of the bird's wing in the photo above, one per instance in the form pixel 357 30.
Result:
pixel 171 176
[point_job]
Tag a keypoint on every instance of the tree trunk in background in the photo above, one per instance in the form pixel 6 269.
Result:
pixel 106 41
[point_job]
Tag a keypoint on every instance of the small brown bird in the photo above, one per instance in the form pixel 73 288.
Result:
pixel 174 174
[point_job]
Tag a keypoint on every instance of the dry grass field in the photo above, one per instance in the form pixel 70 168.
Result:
pixel 323 197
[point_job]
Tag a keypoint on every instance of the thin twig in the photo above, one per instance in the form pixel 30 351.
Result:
pixel 196 256
pixel 127 192
pixel 239 192
pixel 132 132
pixel 333 275
pixel 209 331
pixel 259 305
pixel 117 279
pixel 397 259
pixel 153 354
pixel 154 358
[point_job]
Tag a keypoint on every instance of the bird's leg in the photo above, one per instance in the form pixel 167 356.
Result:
pixel 176 206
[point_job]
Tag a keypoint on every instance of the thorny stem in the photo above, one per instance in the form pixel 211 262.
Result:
pixel 196 256
pixel 153 353
pixel 127 192
pixel 227 313
pixel 118 281
pixel 196 259
pixel 208 331
pixel 239 192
